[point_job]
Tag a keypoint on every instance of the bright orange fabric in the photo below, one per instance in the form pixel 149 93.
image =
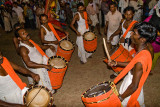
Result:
pixel 38 48
pixel 130 26
pixel 8 68
pixel 145 58
pixel 132 51
pixel 85 17
pixel 54 31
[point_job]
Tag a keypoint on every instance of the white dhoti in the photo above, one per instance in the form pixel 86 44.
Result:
pixel 81 51
pixel 10 92
pixel 126 82
pixel 94 19
pixel 49 52
pixel 21 19
pixel 115 39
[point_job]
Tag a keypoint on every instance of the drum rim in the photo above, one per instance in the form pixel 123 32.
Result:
pixel 69 41
pixel 58 57
pixel 89 40
pixel 111 84
pixel 39 86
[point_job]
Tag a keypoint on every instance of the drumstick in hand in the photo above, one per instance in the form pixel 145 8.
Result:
pixel 106 50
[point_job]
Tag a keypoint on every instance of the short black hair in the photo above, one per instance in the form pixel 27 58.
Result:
pixel 113 3
pixel 80 4
pixel 147 31
pixel 15 3
pixel 16 25
pixel 16 32
pixel 43 15
pixel 129 8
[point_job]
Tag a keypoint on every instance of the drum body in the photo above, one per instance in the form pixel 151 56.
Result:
pixel 119 54
pixel 102 95
pixel 59 67
pixel 38 96
pixel 90 42
pixel 65 49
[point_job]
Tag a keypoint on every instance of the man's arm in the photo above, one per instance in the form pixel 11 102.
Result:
pixel 89 20
pixel 118 31
pixel 60 29
pixel 106 28
pixel 5 104
pixel 24 54
pixel 16 44
pixel 137 74
pixel 25 71
pixel 76 17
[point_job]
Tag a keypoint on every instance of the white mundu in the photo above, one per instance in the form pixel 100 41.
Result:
pixel 36 57
pixel 50 37
pixel 9 91
pixel 126 82
pixel 82 29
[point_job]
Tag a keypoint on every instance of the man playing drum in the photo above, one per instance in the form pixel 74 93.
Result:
pixel 33 58
pixel 47 36
pixel 82 28
pixel 131 90
pixel 12 88
pixel 125 41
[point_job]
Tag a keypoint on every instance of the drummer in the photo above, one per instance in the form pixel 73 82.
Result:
pixel 12 88
pixel 131 89
pixel 125 42
pixel 33 59
pixel 47 36
pixel 82 28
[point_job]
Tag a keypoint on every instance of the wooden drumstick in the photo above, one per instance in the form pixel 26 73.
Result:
pixel 106 50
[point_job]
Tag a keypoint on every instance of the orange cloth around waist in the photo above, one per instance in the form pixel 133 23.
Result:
pixel 54 31
pixel 8 68
pixel 38 48
pixel 144 57
pixel 85 17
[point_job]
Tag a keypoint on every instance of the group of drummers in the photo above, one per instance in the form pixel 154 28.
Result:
pixel 133 58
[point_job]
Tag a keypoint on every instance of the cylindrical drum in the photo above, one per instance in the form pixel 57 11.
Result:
pixel 38 96
pixel 59 67
pixel 102 95
pixel 65 49
pixel 90 42
pixel 119 54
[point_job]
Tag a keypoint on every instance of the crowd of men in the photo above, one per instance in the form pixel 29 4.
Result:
pixel 122 24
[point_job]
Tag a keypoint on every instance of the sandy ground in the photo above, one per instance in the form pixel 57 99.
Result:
pixel 80 77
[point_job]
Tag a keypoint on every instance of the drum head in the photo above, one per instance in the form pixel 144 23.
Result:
pixel 89 36
pixel 97 90
pixel 66 45
pixel 41 97
pixel 57 63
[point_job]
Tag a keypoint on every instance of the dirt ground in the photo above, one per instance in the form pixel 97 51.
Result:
pixel 80 77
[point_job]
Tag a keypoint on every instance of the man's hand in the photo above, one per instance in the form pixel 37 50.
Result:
pixel 55 42
pixel 105 31
pixel 122 40
pixel 19 105
pixel 67 33
pixel 48 67
pixel 52 48
pixel 112 63
pixel 78 34
pixel 36 77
